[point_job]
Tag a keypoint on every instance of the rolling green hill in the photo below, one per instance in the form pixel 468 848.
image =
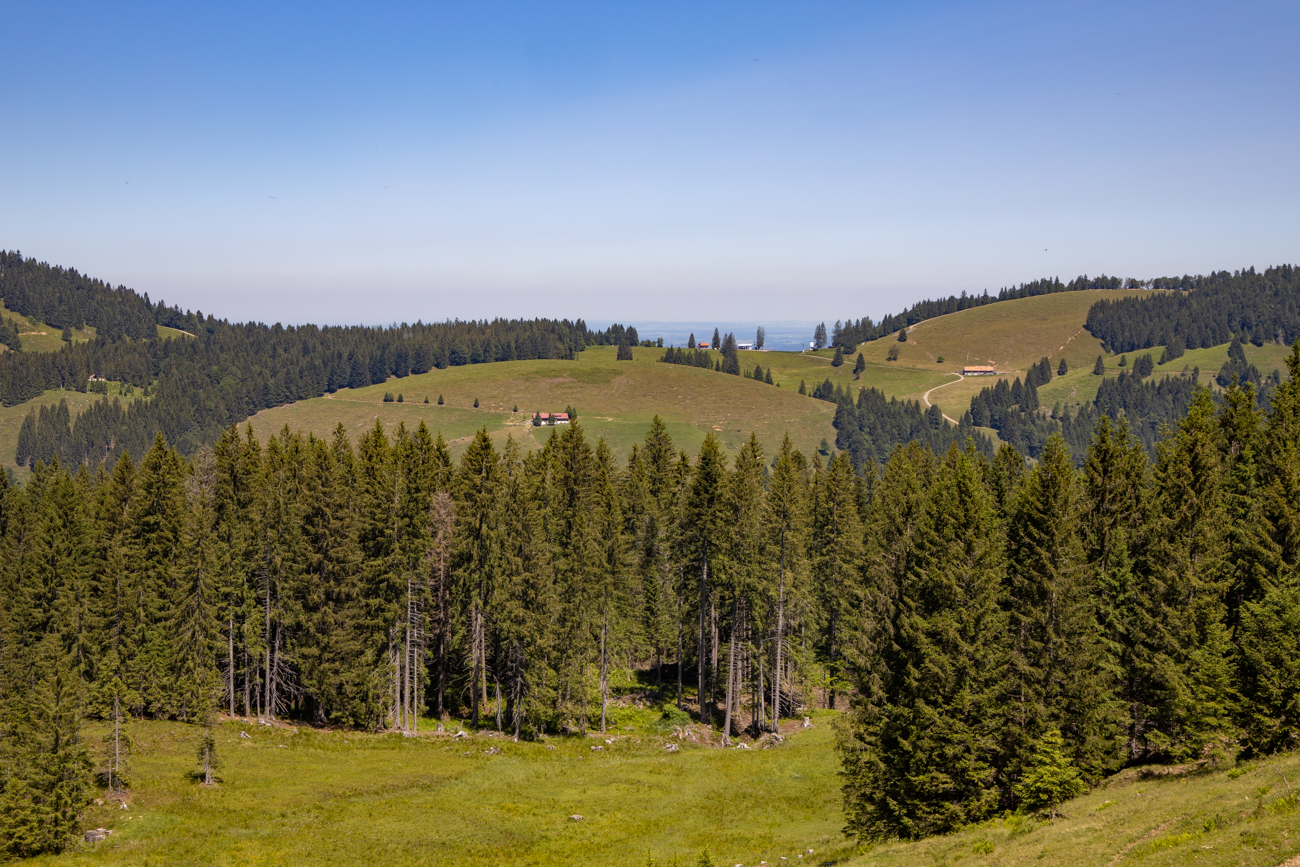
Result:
pixel 614 399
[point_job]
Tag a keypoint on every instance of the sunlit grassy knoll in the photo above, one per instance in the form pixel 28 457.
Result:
pixel 1010 335
pixel 901 381
pixel 332 797
pixel 615 400
pixel 39 337
pixel 1241 816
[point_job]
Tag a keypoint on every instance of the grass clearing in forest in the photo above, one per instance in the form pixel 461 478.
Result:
pixel 294 795
pixel 36 336
pixel 338 797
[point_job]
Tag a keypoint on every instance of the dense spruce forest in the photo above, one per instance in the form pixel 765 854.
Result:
pixel 1260 307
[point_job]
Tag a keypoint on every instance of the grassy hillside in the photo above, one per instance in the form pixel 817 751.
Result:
pixel 615 400
pixel 39 337
pixel 295 796
pixel 1010 335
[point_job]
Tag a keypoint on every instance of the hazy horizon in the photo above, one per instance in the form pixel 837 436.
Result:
pixel 330 163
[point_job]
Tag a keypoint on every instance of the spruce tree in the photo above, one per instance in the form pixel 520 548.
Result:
pixel 748 561
pixel 1056 672
pixel 786 524
pixel 925 757
pixel 859 366
pixel 45 764
pixel 703 545
pixel 478 554
pixel 1193 702
pixel 838 360
pixel 1099 369
pixel 1050 777
pixel 1063 368
pixel 836 545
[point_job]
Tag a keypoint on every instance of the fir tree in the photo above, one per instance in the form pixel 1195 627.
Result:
pixel 1050 778
pixel 704 544
pixel 1099 369
pixel 859 366
pixel 923 758
pixel 1056 673
pixel 836 545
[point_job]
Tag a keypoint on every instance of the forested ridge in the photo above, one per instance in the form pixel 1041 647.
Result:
pixel 1196 311
pixel 196 388
pixel 1261 307
pixel 1006 635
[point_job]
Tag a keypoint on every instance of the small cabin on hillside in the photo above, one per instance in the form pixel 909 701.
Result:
pixel 550 419
pixel 704 345
pixel 979 370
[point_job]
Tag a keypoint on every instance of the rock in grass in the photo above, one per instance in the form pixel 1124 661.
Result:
pixel 97 835
pixel 575 818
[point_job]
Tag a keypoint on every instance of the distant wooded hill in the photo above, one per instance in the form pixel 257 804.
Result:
pixel 195 389
pixel 1202 311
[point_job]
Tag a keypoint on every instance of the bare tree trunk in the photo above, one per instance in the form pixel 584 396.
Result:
pixel 248 702
pixel 474 651
pixel 704 647
pixel 604 670
pixel 266 637
pixel 410 626
pixel 713 667
pixel 680 627
pixel 230 672
pixel 731 673
pixel 115 771
pixel 780 642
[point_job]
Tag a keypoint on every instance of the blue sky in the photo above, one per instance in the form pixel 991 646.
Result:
pixel 638 161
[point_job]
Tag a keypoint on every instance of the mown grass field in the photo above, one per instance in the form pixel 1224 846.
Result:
pixel 303 796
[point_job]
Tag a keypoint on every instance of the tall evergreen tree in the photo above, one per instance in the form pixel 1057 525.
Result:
pixel 703 544
pixel 924 757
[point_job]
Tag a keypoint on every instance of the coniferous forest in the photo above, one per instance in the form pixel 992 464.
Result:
pixel 1002 632
pixel 990 624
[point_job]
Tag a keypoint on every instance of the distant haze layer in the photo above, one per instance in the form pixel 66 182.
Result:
pixel 343 163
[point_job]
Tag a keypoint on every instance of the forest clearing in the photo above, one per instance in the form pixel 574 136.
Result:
pixel 294 794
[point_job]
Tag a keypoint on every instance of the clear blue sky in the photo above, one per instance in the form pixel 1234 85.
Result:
pixel 666 161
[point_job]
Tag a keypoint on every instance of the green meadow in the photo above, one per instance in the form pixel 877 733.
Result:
pixel 293 795
pixel 614 399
